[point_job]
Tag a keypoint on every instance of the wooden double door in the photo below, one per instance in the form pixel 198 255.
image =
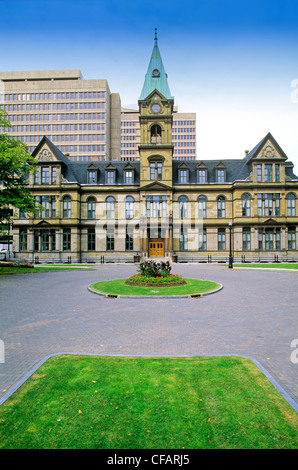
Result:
pixel 156 248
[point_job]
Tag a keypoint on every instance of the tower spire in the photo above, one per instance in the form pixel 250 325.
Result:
pixel 156 77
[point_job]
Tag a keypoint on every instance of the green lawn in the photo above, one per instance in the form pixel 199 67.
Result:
pixel 41 268
pixel 269 265
pixel 147 403
pixel 117 287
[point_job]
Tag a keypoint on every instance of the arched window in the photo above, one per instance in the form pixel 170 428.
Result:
pixel 246 205
pixel 202 207
pixel 91 208
pixel 129 207
pixel 221 207
pixel 110 207
pixel 66 207
pixel 183 207
pixel 291 205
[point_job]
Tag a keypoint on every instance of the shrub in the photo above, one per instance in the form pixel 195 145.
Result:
pixel 145 279
pixel 154 269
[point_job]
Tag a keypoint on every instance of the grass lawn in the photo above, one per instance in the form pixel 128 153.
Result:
pixel 147 403
pixel 117 286
pixel 41 268
pixel 269 265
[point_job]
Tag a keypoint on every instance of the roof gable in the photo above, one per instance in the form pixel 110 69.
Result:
pixel 267 148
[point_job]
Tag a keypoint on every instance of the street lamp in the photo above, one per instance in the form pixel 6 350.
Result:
pixel 230 255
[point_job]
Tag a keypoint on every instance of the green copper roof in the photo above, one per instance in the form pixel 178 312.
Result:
pixel 156 77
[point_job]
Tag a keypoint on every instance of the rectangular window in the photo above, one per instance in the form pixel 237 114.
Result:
pixel 220 176
pixel 277 239
pixel 260 239
pixel 202 239
pixel 155 206
pixel 129 239
pixel 53 206
pixel 152 171
pixel 269 239
pixel 66 239
pixel 23 239
pixel 53 240
pixel 110 240
pixel 91 239
pixel 277 205
pixel 183 239
pixel 291 238
pixel 183 176
pixel 202 178
pixel 54 175
pixel 268 173
pixel 259 173
pixel 260 205
pixel 159 171
pixel 277 172
pixel 91 176
pixel 128 177
pixel 45 202
pixel 110 176
pixel 36 240
pixel 44 240
pixel 246 237
pixel 36 176
pixel 45 175
pixel 221 237
pixel 268 205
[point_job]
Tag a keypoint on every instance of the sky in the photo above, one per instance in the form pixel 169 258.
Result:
pixel 233 63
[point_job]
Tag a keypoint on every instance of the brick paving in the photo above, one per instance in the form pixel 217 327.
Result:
pixel 254 315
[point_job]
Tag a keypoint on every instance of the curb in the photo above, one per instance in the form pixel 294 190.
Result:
pixel 278 387
pixel 186 296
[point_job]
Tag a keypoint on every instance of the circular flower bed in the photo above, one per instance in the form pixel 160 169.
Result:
pixel 162 281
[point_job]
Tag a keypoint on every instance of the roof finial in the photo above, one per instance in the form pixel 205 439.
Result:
pixel 155 38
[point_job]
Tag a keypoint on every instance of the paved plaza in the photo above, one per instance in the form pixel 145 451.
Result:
pixel 254 315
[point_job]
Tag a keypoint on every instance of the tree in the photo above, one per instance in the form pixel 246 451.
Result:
pixel 15 165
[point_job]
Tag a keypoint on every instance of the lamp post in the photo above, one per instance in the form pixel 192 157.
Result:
pixel 230 255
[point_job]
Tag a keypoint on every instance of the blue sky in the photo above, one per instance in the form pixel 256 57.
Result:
pixel 233 63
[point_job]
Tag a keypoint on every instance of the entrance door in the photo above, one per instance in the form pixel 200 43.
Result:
pixel 156 248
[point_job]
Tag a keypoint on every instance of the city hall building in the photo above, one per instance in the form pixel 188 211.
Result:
pixel 119 210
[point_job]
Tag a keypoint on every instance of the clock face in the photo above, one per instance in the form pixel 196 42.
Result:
pixel 155 108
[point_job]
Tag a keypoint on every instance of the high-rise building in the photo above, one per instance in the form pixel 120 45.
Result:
pixel 183 134
pixel 81 117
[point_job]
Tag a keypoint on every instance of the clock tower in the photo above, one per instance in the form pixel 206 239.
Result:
pixel 156 156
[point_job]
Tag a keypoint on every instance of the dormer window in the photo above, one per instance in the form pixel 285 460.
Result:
pixel 220 173
pixel 183 173
pixel 155 73
pixel 91 176
pixel 128 174
pixel 202 173
pixel 110 174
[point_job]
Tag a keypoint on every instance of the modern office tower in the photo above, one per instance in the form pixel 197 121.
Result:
pixel 81 117
pixel 183 134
